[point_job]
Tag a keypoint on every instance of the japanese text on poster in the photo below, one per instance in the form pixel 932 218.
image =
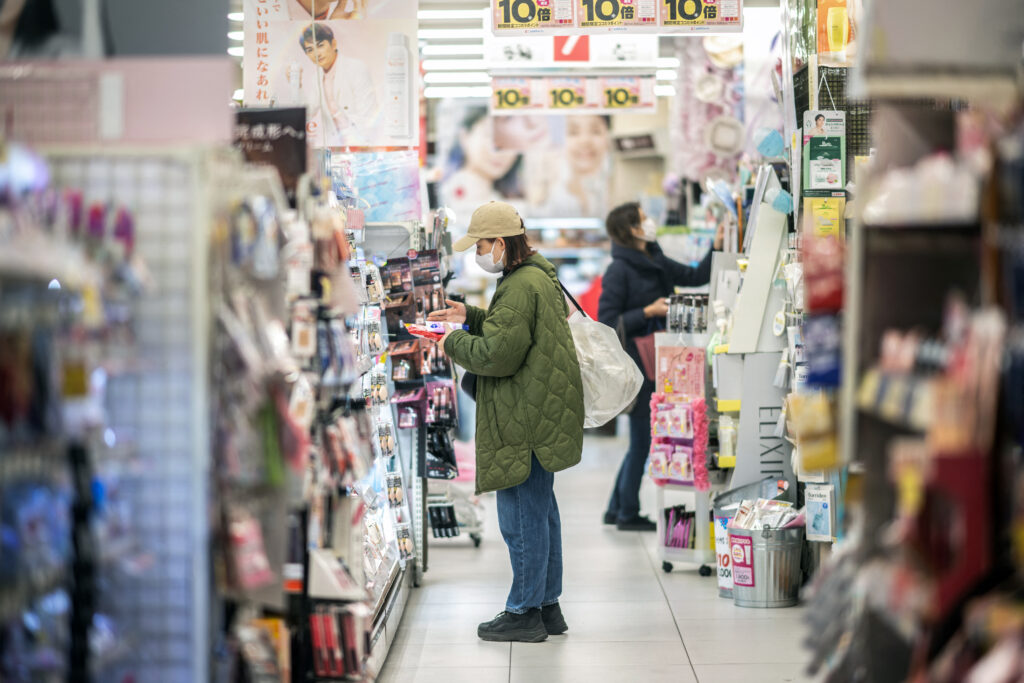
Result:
pixel 602 16
pixel 352 64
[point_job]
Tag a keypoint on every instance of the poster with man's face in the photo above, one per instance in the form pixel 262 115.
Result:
pixel 353 64
pixel 547 166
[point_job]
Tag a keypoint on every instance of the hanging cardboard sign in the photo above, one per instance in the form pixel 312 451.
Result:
pixel 574 17
pixel 824 154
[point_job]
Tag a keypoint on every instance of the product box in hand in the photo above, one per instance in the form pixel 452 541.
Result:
pixel 434 331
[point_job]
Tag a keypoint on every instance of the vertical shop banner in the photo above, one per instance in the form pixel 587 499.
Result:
pixel 742 550
pixel 353 64
pixel 568 17
pixel 276 137
pixel 824 154
pixel 567 94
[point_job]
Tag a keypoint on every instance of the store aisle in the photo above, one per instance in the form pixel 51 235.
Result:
pixel 628 621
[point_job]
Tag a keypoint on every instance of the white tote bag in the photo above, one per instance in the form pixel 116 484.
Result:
pixel 611 380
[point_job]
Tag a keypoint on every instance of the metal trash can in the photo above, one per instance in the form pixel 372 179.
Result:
pixel 766 566
pixel 766 488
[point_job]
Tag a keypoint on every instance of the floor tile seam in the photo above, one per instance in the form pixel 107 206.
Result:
pixel 654 568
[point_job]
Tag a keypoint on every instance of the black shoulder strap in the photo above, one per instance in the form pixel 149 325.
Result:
pixel 567 294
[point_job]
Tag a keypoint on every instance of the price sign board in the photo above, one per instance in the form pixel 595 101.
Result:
pixel 566 93
pixel 699 13
pixel 512 94
pixel 532 15
pixel 575 17
pixel 613 13
pixel 572 94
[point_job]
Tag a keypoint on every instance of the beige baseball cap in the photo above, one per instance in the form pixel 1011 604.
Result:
pixel 490 221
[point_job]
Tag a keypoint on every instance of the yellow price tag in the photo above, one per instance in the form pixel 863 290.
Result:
pixel 565 98
pixel 687 13
pixel 604 12
pixel 510 98
pixel 620 98
pixel 513 14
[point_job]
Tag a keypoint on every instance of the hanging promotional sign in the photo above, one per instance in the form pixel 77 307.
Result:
pixel 824 154
pixel 352 65
pixel 572 94
pixel 616 16
pixel 276 137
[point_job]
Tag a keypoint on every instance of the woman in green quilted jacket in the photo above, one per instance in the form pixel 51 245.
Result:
pixel 529 416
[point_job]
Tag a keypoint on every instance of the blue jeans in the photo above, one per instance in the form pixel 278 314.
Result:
pixel 625 501
pixel 529 522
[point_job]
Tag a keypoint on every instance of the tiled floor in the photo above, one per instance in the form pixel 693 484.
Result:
pixel 628 621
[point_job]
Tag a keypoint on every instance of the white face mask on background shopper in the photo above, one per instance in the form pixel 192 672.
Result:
pixel 487 261
pixel 650 229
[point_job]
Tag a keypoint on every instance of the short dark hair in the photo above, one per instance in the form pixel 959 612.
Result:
pixel 314 33
pixel 819 116
pixel 620 223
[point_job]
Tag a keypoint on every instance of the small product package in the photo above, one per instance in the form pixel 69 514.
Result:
pixel 434 331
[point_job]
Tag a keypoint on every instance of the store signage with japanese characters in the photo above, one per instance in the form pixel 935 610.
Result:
pixel 353 64
pixel 603 16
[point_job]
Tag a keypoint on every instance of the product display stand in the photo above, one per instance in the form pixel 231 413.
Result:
pixel 702 551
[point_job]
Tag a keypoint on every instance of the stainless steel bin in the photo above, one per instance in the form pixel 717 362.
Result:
pixel 766 566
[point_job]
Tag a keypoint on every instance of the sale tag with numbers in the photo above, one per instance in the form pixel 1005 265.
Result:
pixel 609 13
pixel 532 15
pixel 511 93
pixel 711 13
pixel 626 92
pixel 566 93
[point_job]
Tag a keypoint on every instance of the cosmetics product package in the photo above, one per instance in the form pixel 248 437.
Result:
pixel 433 330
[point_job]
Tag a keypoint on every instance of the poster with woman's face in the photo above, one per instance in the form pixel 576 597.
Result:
pixel 352 63
pixel 547 166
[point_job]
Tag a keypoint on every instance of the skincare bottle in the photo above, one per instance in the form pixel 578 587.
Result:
pixel 398 86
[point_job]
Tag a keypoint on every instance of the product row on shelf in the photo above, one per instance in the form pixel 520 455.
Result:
pixel 318 325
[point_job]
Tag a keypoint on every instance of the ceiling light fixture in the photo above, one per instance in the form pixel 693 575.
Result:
pixel 457 92
pixel 236 16
pixel 452 50
pixel 449 14
pixel 665 90
pixel 454 64
pixel 452 33
pixel 236 51
pixel 457 77
pixel 236 35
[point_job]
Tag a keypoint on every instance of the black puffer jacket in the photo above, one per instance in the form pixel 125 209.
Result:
pixel 634 280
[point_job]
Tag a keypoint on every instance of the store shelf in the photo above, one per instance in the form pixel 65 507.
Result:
pixel 385 593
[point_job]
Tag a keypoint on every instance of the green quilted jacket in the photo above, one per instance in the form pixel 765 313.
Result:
pixel 529 395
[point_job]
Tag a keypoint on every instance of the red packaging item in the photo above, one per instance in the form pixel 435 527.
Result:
pixel 434 330
pixel 823 273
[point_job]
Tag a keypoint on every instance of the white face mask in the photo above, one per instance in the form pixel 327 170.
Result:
pixel 487 261
pixel 650 229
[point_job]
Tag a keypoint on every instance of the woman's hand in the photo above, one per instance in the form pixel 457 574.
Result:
pixel 456 313
pixel 657 309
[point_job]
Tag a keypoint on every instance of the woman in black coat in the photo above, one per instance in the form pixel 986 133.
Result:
pixel 633 295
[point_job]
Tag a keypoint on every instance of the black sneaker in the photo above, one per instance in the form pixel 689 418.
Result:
pixel 554 622
pixel 521 628
pixel 638 523
pixel 611 518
